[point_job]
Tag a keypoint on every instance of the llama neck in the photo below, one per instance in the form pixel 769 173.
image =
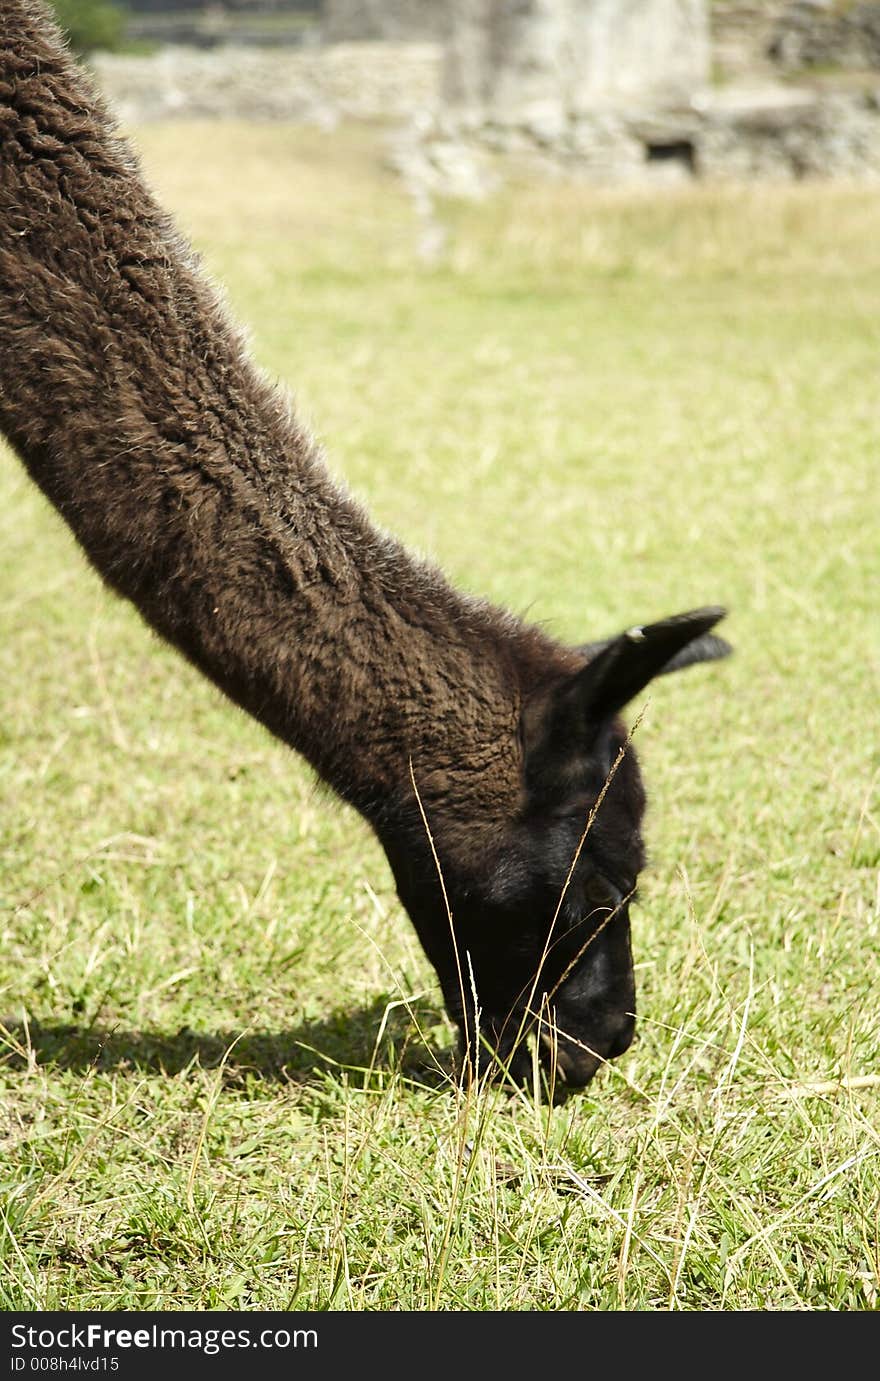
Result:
pixel 193 491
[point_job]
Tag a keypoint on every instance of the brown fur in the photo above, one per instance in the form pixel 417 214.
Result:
pixel 130 398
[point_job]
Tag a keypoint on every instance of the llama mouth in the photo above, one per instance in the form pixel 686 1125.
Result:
pixel 561 1068
pixel 573 1068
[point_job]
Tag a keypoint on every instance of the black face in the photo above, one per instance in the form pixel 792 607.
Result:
pixel 542 930
pixel 531 936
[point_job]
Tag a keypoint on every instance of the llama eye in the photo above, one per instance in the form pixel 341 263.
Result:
pixel 600 892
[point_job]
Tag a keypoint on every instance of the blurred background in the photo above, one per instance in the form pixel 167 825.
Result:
pixel 609 90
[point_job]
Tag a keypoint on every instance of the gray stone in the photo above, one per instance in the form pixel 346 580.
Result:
pixel 394 21
pixel 785 133
pixel 607 90
pixel 827 34
pixel 320 86
pixel 526 61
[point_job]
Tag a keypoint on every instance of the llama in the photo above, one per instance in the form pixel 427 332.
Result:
pixel 488 758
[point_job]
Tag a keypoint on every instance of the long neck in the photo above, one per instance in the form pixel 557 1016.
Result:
pixel 196 495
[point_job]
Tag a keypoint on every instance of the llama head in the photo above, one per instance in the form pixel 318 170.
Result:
pixel 530 932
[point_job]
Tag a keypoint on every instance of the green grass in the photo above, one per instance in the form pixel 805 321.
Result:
pixel 226 1066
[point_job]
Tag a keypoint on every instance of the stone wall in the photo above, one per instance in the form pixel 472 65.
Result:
pixel 775 133
pixel 545 61
pixel 365 81
pixel 741 34
pixel 396 21
pixel 790 134
pixel 607 90
pixel 761 37
pixel 827 34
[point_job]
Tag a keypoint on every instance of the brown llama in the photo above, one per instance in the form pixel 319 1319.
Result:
pixel 488 758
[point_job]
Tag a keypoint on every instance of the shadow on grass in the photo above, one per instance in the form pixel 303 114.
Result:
pixel 373 1038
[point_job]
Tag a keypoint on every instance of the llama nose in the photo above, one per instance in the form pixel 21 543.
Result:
pixel 575 1067
pixel 622 1038
pixel 577 1062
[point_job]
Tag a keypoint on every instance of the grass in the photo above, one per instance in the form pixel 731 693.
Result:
pixel 225 1074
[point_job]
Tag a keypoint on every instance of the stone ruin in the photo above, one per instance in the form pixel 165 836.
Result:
pixel 387 21
pixel 606 90
pixel 544 62
pixel 623 90
pixel 562 80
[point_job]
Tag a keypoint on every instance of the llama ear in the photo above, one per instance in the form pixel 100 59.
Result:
pixel 621 667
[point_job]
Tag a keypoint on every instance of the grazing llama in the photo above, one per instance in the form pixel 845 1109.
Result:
pixel 488 758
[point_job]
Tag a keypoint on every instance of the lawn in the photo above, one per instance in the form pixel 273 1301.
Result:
pixel 226 1070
